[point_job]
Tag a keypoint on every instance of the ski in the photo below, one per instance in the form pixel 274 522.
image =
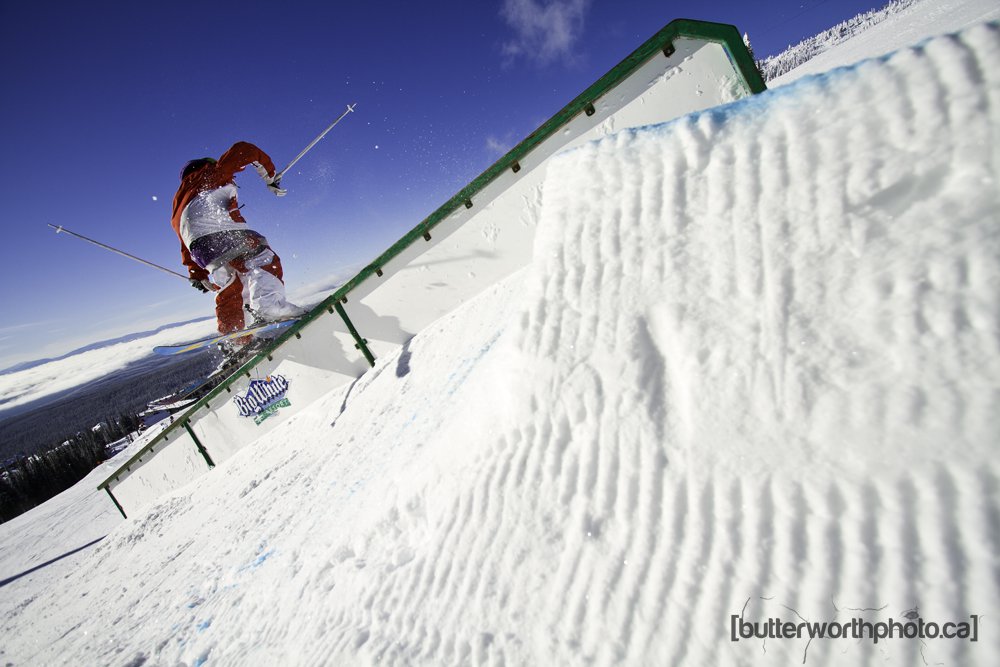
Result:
pixel 261 331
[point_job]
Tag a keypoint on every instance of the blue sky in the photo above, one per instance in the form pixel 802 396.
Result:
pixel 105 101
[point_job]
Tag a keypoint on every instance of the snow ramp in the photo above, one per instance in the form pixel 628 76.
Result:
pixel 481 235
pixel 751 372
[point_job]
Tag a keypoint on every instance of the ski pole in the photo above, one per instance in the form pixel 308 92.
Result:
pixel 277 177
pixel 60 229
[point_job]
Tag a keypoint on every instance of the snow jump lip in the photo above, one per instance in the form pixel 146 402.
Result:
pixel 329 345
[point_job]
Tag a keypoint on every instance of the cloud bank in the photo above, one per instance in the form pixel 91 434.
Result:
pixel 543 31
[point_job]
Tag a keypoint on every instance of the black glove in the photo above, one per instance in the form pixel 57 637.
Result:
pixel 201 285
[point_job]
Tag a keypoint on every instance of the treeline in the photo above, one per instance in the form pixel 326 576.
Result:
pixel 46 450
pixel 123 392
pixel 774 66
pixel 28 481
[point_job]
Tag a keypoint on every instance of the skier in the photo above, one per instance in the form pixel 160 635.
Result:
pixel 216 241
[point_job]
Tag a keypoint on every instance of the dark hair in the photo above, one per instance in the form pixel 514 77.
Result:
pixel 195 165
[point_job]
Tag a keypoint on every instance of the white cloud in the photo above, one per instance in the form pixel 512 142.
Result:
pixel 544 31
pixel 497 146
pixel 26 325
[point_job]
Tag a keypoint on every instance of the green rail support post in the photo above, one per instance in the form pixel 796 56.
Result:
pixel 115 501
pixel 201 447
pixel 360 342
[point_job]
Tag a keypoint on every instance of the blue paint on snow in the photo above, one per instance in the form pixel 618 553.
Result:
pixel 459 376
pixel 260 559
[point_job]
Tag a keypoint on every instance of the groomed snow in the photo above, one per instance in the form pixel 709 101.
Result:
pixel 753 369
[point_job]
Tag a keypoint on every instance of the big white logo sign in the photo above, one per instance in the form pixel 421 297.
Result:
pixel 263 398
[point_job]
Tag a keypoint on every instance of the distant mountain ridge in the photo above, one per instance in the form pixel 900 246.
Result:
pixel 25 365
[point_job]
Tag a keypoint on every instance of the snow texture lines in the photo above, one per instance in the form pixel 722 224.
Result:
pixel 751 370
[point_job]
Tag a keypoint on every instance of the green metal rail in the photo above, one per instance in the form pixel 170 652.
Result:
pixel 662 42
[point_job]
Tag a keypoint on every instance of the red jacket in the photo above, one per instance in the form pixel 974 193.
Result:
pixel 211 177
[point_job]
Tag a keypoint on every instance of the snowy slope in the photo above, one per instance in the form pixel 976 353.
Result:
pixel 40 547
pixel 752 369
pixel 896 26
